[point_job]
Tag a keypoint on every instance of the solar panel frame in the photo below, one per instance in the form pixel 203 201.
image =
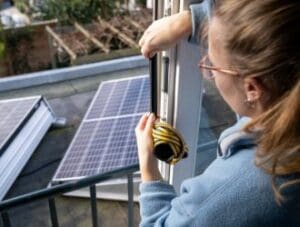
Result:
pixel 114 82
pixel 35 100
pixel 95 118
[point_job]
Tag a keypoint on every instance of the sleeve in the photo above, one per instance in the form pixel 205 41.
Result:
pixel 199 12
pixel 159 207
pixel 201 197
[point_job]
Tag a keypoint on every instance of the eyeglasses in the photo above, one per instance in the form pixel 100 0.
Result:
pixel 206 68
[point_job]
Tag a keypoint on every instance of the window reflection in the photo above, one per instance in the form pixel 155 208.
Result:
pixel 216 116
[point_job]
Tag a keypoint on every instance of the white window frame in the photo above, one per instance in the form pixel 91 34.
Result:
pixel 183 101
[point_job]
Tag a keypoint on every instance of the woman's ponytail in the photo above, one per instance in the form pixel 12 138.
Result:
pixel 264 42
pixel 279 147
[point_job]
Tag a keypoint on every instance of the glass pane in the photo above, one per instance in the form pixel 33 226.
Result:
pixel 216 116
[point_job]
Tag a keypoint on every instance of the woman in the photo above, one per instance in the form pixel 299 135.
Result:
pixel 254 60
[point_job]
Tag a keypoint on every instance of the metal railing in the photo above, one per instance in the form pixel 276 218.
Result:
pixel 52 191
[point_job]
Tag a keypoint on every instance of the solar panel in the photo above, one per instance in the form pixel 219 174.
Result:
pixel 105 139
pixel 12 114
pixel 120 97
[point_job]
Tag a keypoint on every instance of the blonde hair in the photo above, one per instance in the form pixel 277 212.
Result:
pixel 264 41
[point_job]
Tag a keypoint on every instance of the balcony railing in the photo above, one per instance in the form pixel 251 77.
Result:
pixel 52 191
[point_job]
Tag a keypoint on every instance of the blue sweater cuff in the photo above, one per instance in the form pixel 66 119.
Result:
pixel 199 13
pixel 155 199
pixel 155 186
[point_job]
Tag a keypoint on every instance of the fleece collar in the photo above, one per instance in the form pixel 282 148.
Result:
pixel 234 139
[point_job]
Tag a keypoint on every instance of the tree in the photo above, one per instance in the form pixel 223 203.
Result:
pixel 68 11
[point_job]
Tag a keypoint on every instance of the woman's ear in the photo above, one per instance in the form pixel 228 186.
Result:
pixel 253 89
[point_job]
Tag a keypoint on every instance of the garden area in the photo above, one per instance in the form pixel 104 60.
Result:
pixel 62 33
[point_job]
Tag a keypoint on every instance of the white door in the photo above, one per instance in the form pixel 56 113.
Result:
pixel 192 106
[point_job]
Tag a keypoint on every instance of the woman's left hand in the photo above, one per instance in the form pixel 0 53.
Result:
pixel 148 163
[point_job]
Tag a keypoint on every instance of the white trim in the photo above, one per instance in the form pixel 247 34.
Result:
pixel 183 103
pixel 188 96
pixel 19 99
pixel 122 79
pixel 113 117
pixel 111 190
pixel 20 150
pixel 74 72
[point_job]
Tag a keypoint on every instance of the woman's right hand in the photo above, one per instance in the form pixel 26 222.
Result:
pixel 165 33
pixel 148 162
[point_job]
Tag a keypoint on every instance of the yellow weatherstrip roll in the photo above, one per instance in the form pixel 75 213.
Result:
pixel 169 145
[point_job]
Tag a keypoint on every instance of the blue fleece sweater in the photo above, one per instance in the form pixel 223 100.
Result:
pixel 231 192
pixel 200 13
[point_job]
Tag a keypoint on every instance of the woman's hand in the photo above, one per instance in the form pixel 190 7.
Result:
pixel 148 163
pixel 165 33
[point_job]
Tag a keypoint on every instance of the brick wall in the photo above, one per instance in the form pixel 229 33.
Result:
pixel 26 50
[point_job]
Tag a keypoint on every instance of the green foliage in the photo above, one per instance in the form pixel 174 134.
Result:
pixel 16 36
pixel 2 49
pixel 68 11
pixel 2 42
pixel 22 5
pixel 19 43
pixel 141 2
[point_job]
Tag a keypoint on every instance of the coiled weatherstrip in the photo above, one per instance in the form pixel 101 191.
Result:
pixel 169 145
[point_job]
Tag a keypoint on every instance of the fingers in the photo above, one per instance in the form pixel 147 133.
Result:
pixel 150 122
pixel 149 42
pixel 146 122
pixel 142 122
pixel 144 44
pixel 165 33
pixel 146 51
pixel 142 40
pixel 151 54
